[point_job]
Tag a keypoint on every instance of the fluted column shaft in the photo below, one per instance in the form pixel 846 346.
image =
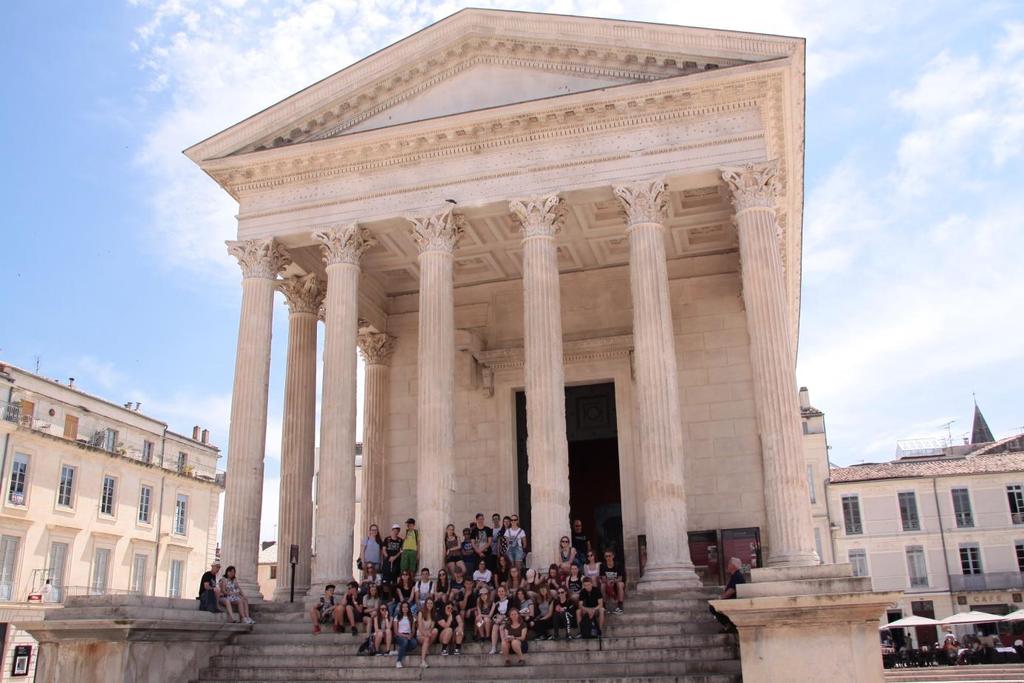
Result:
pixel 261 261
pixel 336 481
pixel 790 535
pixel 298 435
pixel 663 490
pixel 436 236
pixel 546 443
pixel 376 348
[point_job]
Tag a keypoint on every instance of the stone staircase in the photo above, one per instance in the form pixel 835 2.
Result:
pixel 977 673
pixel 659 639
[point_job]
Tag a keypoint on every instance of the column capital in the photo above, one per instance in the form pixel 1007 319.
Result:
pixel 344 243
pixel 376 347
pixel 439 231
pixel 643 201
pixel 539 216
pixel 302 293
pixel 753 186
pixel 259 258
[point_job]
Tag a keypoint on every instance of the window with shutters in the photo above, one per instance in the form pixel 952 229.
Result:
pixel 66 487
pixel 962 508
pixel 851 515
pixel 916 567
pixel 107 495
pixel 908 511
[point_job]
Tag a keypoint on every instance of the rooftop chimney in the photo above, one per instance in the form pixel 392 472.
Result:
pixel 805 398
pixel 195 433
pixel 206 436
pixel 137 406
pixel 71 382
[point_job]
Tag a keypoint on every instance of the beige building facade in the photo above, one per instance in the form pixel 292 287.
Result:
pixel 98 499
pixel 569 252
pixel 946 528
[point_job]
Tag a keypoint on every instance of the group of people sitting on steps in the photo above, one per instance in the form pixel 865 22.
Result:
pixel 485 592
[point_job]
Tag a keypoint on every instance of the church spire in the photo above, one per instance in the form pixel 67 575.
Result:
pixel 980 433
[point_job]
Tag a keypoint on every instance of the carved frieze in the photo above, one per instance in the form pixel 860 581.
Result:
pixel 259 258
pixel 344 244
pixel 644 202
pixel 539 216
pixel 302 293
pixel 439 231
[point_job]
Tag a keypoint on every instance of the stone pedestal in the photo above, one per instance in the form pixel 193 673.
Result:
pixel 662 488
pixel 807 625
pixel 261 261
pixel 790 535
pixel 436 237
pixel 343 247
pixel 376 348
pixel 127 639
pixel 546 442
pixel 304 294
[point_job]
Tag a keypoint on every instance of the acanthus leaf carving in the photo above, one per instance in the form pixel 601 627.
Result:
pixel 375 347
pixel 539 216
pixel 259 258
pixel 644 202
pixel 302 293
pixel 439 231
pixel 753 186
pixel 344 243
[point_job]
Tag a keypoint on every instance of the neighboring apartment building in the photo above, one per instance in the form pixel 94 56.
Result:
pixel 97 498
pixel 816 457
pixel 943 524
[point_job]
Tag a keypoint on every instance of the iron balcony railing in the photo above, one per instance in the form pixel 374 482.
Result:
pixel 986 581
pixel 10 412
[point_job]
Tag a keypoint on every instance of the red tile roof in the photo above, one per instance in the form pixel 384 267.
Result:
pixel 981 461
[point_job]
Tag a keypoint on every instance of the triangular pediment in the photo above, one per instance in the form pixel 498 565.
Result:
pixel 482 59
pixel 482 86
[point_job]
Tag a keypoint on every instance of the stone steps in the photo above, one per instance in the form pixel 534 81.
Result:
pixel 659 639
pixel 496 670
pixel 334 644
pixel 477 657
pixel 975 673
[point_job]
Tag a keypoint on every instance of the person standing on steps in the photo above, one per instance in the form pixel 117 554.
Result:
pixel 481 535
pixel 516 540
pixel 580 542
pixel 392 554
pixel 370 550
pixel 736 577
pixel 403 624
pixel 410 547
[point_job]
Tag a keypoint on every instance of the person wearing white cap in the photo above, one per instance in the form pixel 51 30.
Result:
pixel 392 553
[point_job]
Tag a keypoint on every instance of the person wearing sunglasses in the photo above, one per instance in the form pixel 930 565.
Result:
pixel 516 537
pixel 566 555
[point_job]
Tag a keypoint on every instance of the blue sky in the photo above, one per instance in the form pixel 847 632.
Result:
pixel 116 272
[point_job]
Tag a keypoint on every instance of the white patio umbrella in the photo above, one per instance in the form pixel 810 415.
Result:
pixel 1014 616
pixel 972 617
pixel 908 622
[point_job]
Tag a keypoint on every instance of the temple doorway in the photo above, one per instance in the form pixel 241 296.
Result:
pixel 595 495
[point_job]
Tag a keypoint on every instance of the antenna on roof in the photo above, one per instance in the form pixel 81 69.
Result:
pixel 37 363
pixel 949 432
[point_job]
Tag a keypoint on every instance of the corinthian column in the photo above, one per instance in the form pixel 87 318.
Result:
pixel 787 504
pixel 261 261
pixel 663 490
pixel 376 348
pixel 336 483
pixel 304 295
pixel 436 236
pixel 545 377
